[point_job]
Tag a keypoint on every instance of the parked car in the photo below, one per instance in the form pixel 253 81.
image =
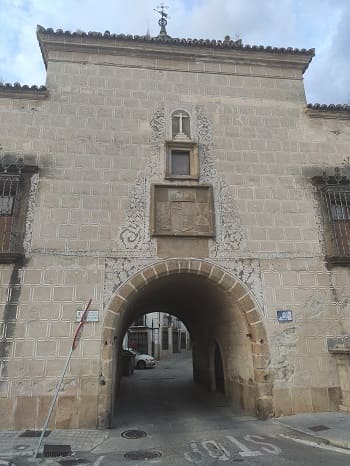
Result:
pixel 143 361
pixel 128 361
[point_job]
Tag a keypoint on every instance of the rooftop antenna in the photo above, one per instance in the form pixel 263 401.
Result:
pixel 163 21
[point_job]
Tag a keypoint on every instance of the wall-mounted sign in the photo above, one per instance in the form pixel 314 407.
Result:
pixel 284 316
pixel 92 316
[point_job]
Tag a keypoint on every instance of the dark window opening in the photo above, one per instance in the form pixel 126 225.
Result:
pixel 338 210
pixel 180 162
pixel 139 322
pixel 219 371
pixel 334 191
pixel 138 341
pixel 9 189
pixel 165 339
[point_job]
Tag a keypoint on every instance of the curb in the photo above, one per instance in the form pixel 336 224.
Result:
pixel 344 444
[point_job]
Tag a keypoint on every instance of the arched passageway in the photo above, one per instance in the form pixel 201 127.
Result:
pixel 218 311
pixel 219 370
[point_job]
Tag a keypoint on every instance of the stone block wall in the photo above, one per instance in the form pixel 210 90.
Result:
pixel 98 140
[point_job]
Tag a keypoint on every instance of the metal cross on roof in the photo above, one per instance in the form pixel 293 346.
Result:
pixel 162 22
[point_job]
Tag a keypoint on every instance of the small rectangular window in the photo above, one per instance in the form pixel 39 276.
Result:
pixel 180 162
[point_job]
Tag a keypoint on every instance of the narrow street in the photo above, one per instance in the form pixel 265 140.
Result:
pixel 173 422
pixel 189 425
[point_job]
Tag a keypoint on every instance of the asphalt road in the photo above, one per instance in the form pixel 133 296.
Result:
pixel 185 425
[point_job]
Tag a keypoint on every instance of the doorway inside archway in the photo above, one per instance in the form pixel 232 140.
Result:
pixel 219 371
pixel 214 320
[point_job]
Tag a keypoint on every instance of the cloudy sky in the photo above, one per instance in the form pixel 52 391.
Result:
pixel 319 24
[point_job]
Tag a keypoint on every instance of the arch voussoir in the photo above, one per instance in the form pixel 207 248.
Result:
pixel 161 269
pixel 206 269
pixel 236 292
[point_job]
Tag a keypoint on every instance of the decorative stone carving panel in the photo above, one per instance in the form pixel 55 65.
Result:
pixel 182 211
pixel 229 233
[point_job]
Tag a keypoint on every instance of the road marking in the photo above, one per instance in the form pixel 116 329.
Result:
pixel 244 450
pixel 98 461
pixel 268 448
pixel 194 456
pixel 199 452
pixel 216 450
pixel 317 445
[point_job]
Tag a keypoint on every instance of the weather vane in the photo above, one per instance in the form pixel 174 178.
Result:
pixel 163 21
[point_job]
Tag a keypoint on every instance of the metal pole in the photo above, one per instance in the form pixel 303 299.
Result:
pixel 77 336
pixel 58 388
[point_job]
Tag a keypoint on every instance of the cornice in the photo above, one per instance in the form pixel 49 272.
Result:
pixel 17 91
pixel 337 111
pixel 160 47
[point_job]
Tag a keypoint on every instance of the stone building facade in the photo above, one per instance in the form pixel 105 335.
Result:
pixel 185 175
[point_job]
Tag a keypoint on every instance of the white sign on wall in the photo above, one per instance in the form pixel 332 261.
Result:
pixel 92 316
pixel 285 315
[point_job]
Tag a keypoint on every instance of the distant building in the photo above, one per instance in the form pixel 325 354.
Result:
pixel 183 175
pixel 158 334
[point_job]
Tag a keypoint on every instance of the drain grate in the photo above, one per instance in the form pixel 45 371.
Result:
pixel 57 450
pixel 318 428
pixel 143 455
pixel 134 434
pixel 34 433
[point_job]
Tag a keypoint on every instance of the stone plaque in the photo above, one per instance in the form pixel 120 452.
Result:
pixel 182 211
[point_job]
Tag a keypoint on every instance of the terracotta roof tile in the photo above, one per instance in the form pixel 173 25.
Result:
pixel 212 43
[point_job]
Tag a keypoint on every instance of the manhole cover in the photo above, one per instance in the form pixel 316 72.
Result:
pixel 34 433
pixel 57 450
pixel 133 434
pixel 143 454
pixel 318 428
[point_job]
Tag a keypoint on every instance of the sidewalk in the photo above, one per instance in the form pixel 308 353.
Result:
pixel 14 444
pixel 332 428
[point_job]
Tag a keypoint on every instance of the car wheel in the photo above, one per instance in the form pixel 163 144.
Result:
pixel 141 365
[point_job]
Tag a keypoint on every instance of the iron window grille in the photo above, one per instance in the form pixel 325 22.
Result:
pixel 335 202
pixel 10 235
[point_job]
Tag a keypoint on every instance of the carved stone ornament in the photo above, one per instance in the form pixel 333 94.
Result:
pixel 135 233
pixel 32 195
pixel 229 233
pixel 135 236
pixel 118 271
pixel 248 271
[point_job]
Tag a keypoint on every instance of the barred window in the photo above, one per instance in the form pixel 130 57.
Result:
pixel 9 189
pixel 335 202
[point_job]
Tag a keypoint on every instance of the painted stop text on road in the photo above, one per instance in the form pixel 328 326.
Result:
pixel 224 450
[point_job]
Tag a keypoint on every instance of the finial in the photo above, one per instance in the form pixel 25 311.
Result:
pixel 162 22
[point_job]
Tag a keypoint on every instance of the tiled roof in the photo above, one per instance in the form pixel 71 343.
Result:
pixel 330 107
pixel 16 90
pixel 225 44
pixel 337 111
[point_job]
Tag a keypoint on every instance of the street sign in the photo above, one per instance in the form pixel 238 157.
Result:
pixel 92 316
pixel 285 315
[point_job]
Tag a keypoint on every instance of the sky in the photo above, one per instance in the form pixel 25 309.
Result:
pixel 319 24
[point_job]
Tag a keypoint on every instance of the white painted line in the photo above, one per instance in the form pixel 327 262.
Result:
pixel 98 461
pixel 244 450
pixel 322 446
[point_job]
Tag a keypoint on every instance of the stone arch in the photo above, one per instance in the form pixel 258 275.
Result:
pixel 239 293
